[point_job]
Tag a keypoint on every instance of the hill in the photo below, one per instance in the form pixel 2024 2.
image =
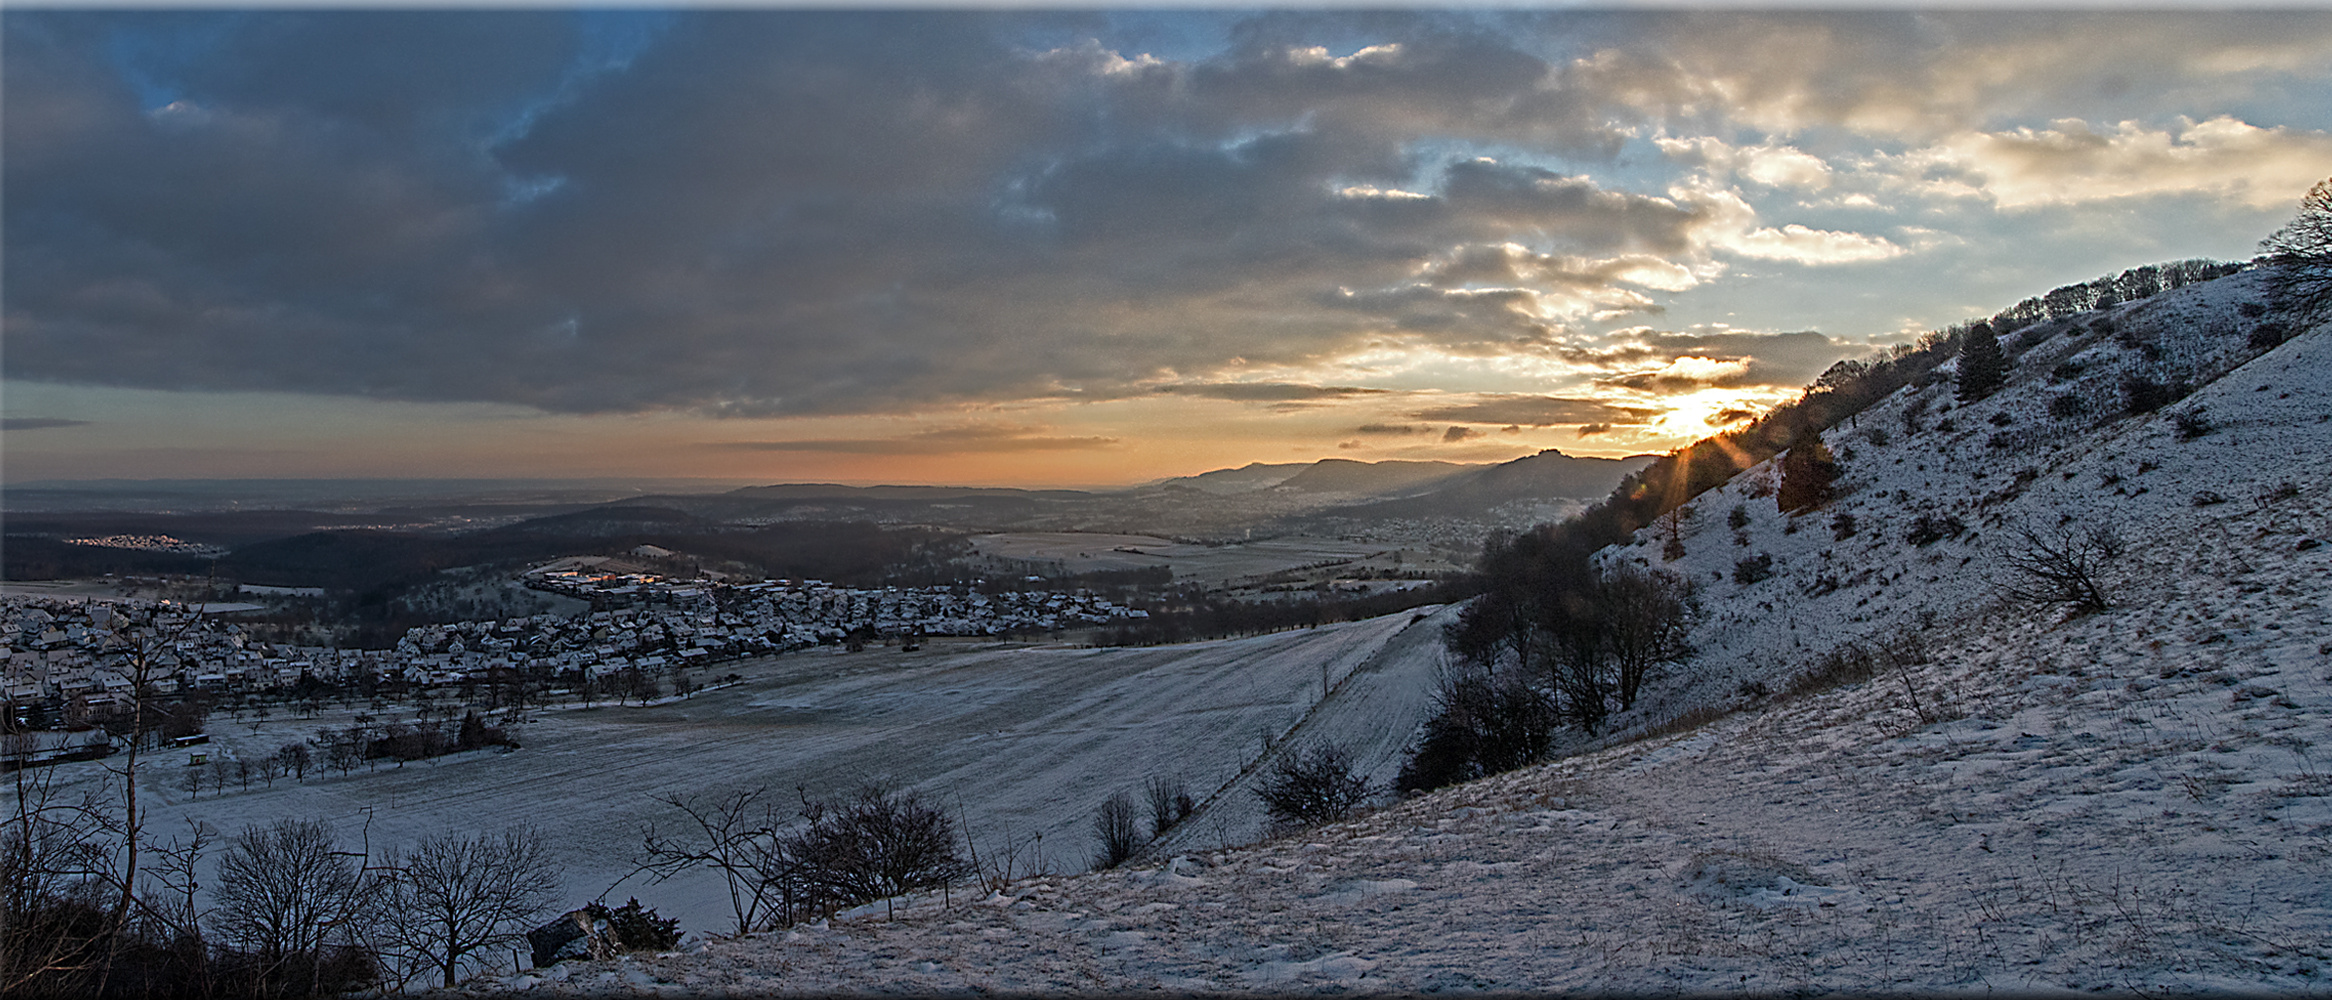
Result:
pixel 1889 767
pixel 1343 475
pixel 1550 474
pixel 1252 476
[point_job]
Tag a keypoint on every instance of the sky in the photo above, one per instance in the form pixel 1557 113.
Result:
pixel 1062 248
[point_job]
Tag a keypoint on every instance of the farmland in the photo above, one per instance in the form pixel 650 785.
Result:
pixel 1020 740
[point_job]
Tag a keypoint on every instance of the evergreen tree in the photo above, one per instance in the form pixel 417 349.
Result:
pixel 1982 367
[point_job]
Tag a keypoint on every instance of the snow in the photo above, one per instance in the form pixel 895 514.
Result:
pixel 1019 741
pixel 2125 801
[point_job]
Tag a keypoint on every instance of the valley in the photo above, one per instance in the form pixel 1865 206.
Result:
pixel 1020 740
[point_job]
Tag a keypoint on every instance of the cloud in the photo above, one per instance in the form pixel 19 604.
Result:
pixel 1800 245
pixel 775 212
pixel 1691 360
pixel 1772 165
pixel 1391 429
pixel 1538 411
pixel 38 423
pixel 1920 75
pixel 1684 374
pixel 2074 162
pixel 1732 225
pixel 1457 433
pixel 768 212
pixel 944 441
pixel 1591 430
pixel 1265 392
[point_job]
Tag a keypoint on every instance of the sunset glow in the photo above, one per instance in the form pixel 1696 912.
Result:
pixel 1063 248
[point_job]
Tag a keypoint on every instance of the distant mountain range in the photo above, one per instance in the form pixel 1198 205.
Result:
pixel 1276 497
pixel 327 535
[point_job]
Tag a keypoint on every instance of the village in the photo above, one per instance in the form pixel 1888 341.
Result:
pixel 72 663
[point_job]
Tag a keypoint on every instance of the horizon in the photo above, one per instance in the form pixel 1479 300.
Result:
pixel 1046 249
pixel 721 483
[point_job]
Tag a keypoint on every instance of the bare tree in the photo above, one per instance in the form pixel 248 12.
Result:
pixel 2301 255
pixel 1115 832
pixel 1318 785
pixel 735 835
pixel 453 896
pixel 54 863
pixel 1646 615
pixel 283 890
pixel 173 882
pixel 343 748
pixel 2068 568
pixel 148 644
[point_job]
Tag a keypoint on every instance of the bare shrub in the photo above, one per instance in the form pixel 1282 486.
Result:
pixel 598 932
pixel 1846 664
pixel 875 845
pixel 1929 529
pixel 2269 335
pixel 1319 785
pixel 2146 395
pixel 2066 568
pixel 1482 724
pixel 632 927
pixel 1687 720
pixel 1170 802
pixel 1115 832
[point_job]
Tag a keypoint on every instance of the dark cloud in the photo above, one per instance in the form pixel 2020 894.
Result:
pixel 1539 411
pixel 751 212
pixel 1591 430
pixel 1391 429
pixel 799 212
pixel 1457 433
pixel 1782 360
pixel 1265 392
pixel 946 441
pixel 38 423
pixel 1664 384
pixel 1729 416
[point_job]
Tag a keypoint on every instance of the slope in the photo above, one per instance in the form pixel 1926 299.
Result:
pixel 2126 801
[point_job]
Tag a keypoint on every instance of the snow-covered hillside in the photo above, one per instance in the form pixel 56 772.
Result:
pixel 2008 797
pixel 1859 572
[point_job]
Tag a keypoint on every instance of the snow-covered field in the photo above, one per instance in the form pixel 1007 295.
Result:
pixel 1022 740
pixel 2134 800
